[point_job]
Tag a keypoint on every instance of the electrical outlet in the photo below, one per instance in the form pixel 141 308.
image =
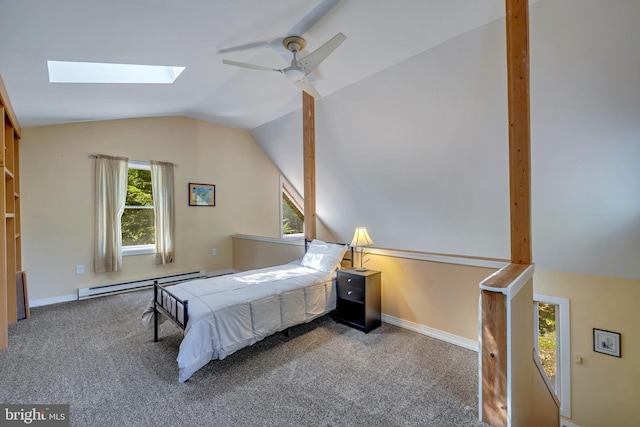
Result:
pixel 79 269
pixel 214 252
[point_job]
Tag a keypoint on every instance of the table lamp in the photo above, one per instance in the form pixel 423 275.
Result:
pixel 360 240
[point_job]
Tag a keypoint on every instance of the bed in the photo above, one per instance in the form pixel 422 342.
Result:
pixel 221 315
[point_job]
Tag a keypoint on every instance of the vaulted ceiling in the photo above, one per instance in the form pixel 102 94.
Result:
pixel 191 33
pixel 411 131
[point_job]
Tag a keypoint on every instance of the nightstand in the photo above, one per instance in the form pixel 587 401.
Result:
pixel 358 302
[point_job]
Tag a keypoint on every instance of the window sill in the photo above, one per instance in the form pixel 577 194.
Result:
pixel 296 236
pixel 138 250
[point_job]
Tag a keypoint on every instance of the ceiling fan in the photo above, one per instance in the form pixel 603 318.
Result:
pixel 299 69
pixel 305 24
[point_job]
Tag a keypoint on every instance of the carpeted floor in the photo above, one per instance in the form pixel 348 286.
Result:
pixel 96 356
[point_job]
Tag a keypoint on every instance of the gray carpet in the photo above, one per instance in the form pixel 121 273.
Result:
pixel 96 356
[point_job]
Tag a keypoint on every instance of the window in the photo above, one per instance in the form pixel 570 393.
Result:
pixel 137 223
pixel 96 72
pixel 552 342
pixel 291 211
pixel 547 342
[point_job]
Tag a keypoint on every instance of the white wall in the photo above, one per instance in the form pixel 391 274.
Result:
pixel 585 94
pixel 418 153
pixel 409 154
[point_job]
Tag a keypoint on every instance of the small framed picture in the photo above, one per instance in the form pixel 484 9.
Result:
pixel 202 194
pixel 606 342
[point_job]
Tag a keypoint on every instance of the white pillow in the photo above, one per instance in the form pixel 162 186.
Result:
pixel 324 256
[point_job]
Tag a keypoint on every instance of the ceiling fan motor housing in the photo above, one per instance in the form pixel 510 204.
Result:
pixel 294 43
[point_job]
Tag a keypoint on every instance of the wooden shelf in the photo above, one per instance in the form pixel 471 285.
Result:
pixel 11 247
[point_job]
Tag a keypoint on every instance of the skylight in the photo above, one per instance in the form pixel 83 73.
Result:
pixel 94 72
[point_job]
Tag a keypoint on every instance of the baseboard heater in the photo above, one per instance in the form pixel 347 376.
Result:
pixel 115 288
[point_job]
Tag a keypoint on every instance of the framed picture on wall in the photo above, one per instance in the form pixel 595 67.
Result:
pixel 202 194
pixel 606 342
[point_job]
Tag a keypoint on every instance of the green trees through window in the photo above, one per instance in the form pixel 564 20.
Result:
pixel 292 216
pixel 547 339
pixel 137 222
pixel 292 219
pixel 553 345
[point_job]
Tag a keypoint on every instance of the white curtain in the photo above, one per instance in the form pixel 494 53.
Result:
pixel 163 202
pixel 111 193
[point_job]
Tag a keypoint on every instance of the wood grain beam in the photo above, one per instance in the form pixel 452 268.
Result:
pixel 517 23
pixel 494 358
pixel 504 277
pixel 309 154
pixel 493 303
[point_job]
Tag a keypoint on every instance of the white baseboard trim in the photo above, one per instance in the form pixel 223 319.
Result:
pixel 565 423
pixel 74 297
pixel 55 300
pixel 433 333
pixel 220 272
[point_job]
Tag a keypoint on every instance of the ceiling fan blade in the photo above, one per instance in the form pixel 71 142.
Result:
pixel 245 47
pixel 311 61
pixel 251 66
pixel 300 28
pixel 306 86
pixel 312 18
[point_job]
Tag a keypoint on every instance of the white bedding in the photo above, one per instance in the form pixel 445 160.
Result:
pixel 227 313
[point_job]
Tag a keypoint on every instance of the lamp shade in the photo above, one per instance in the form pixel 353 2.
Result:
pixel 361 238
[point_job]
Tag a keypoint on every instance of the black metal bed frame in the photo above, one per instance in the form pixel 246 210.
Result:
pixel 160 295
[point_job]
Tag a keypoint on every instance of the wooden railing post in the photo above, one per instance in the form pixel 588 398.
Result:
pixel 494 316
pixel 494 358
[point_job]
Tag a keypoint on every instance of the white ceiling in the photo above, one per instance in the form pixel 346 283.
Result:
pixel 380 34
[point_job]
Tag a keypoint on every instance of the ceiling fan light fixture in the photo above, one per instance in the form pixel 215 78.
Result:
pixel 294 74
